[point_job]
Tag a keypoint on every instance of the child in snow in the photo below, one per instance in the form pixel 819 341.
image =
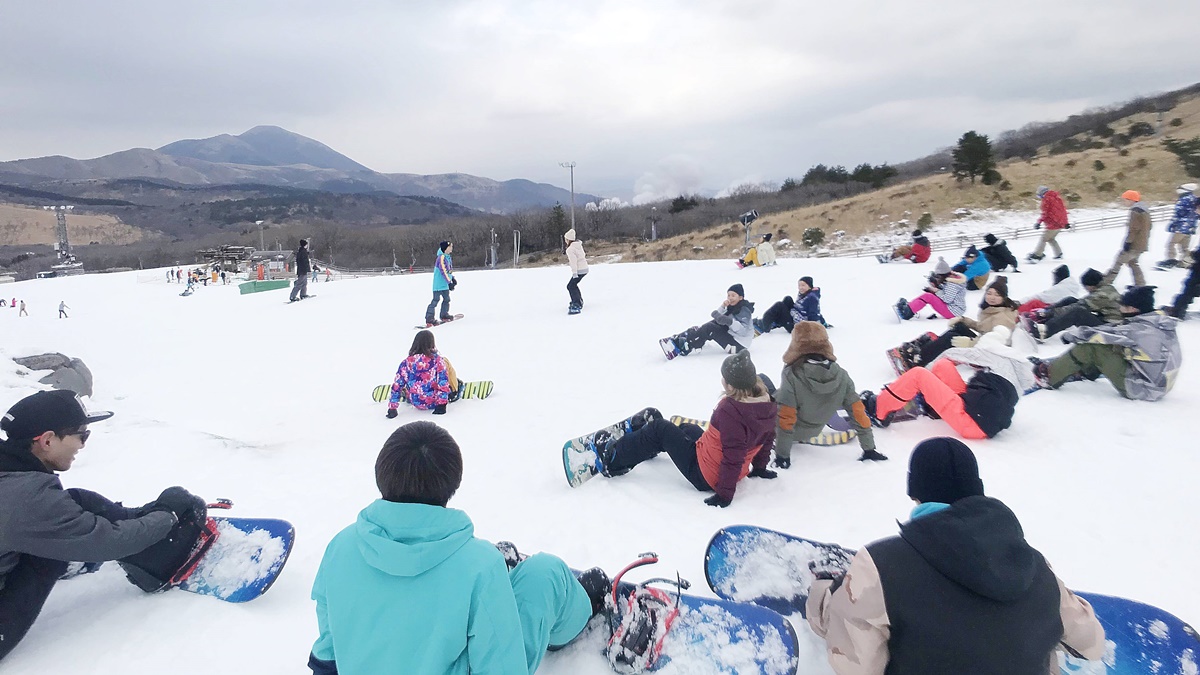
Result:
pixel 1182 227
pixel 1063 287
pixel 813 387
pixel 730 328
pixel 787 312
pixel 1139 356
pixel 579 270
pixel 1054 217
pixel 736 444
pixel 997 309
pixel 918 251
pixel 762 254
pixel 1101 305
pixel 958 587
pixel 425 379
pixel 997 254
pixel 946 293
pixel 443 283
pixel 408 588
pixel 975 267
pixel 1137 240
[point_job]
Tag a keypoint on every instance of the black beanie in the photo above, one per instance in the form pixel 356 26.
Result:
pixel 767 237
pixel 809 281
pixel 943 470
pixel 1061 272
pixel 1140 298
pixel 916 233
pixel 990 239
pixel 737 288
pixel 303 243
pixel 971 252
pixel 1091 277
pixel 444 245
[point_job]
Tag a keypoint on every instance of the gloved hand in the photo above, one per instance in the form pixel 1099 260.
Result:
pixel 440 409
pixel 954 322
pixel 1067 226
pixel 1126 247
pixel 723 319
pixel 782 463
pixel 717 500
pixel 762 473
pixel 391 413
pixel 453 283
pixel 961 341
pixel 1037 226
pixel 186 506
pixel 833 563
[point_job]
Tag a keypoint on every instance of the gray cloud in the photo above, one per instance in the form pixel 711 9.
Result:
pixel 649 96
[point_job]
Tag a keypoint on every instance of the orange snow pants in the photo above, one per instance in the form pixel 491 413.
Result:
pixel 942 387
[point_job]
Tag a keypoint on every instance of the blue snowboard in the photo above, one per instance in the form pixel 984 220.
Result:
pixel 245 559
pixel 751 564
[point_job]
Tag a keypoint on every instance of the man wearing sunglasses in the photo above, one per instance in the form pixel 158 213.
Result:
pixel 44 527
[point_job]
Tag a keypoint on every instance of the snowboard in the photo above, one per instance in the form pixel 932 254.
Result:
pixel 837 433
pixel 245 558
pixel 896 358
pixel 311 295
pixel 477 389
pixel 896 311
pixel 581 459
pixel 884 258
pixel 744 563
pixel 456 317
pixel 670 349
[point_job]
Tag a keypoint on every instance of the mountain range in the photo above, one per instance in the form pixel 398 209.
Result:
pixel 272 156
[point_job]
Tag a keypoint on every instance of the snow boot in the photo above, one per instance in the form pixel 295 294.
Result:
pixel 872 456
pixel 598 587
pixel 868 398
pixel 1034 258
pixel 604 445
pixel 1041 372
pixel 574 309
pixel 903 310
pixel 1166 264
pixel 759 329
pixel 511 555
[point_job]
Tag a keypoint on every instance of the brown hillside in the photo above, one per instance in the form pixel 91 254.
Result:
pixel 25 226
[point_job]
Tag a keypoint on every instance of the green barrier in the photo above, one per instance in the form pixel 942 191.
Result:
pixel 260 286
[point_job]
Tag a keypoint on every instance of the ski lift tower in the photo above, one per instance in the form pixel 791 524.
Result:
pixel 747 218
pixel 63 245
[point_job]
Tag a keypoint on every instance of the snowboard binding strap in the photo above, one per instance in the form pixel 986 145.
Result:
pixel 645 618
pixel 208 537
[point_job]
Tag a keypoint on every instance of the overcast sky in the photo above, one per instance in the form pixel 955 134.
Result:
pixel 648 97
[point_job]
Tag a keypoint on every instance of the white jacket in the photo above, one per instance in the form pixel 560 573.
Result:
pixel 1067 288
pixel 766 253
pixel 577 259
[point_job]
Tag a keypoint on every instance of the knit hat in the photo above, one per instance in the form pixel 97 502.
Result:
pixel 916 233
pixel 738 371
pixel 57 410
pixel 972 252
pixel 1132 195
pixel 942 267
pixel 808 337
pixel 1091 277
pixel 303 243
pixel 990 239
pixel 767 237
pixel 444 245
pixel 737 288
pixel 570 235
pixel 1041 191
pixel 809 281
pixel 1140 298
pixel 943 470
pixel 1000 285
pixel 1061 272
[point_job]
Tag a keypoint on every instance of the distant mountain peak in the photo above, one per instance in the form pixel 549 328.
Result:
pixel 263 145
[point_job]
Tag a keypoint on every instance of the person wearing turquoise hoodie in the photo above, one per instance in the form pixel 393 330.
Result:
pixel 443 283
pixel 975 268
pixel 408 588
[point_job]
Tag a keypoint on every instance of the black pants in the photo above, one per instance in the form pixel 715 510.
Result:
pixel 444 296
pixel 941 343
pixel 698 335
pixel 660 435
pixel 1191 289
pixel 573 289
pixel 1069 316
pixel 779 315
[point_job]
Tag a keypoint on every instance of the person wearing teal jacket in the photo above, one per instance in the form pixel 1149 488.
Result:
pixel 408 588
pixel 975 268
pixel 443 283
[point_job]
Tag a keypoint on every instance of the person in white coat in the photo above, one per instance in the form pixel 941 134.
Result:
pixel 579 269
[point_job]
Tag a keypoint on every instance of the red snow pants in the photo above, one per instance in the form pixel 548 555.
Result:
pixel 942 387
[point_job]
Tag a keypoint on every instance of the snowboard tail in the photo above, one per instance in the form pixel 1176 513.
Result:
pixel 476 389
pixel 581 456
pixel 243 560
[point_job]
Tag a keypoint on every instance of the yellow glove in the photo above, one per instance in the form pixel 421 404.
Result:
pixel 961 341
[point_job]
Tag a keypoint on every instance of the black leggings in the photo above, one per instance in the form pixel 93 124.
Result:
pixel 941 343
pixel 573 289
pixel 660 435
pixel 779 315
pixel 1191 289
pixel 1074 314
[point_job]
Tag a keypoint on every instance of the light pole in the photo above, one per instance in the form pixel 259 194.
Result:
pixel 571 166
pixel 63 246
pixel 261 245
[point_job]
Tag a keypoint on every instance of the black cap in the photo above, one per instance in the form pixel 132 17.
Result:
pixel 972 252
pixel 943 470
pixel 303 243
pixel 57 410
pixel 990 239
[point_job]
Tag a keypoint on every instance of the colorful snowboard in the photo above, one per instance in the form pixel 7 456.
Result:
pixel 456 317
pixel 839 430
pixel 744 563
pixel 245 559
pixel 477 389
pixel 670 349
pixel 581 459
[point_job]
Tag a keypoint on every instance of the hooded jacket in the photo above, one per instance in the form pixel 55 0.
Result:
pixel 423 381
pixel 742 328
pixel 973 270
pixel 1105 301
pixel 576 259
pixel 958 591
pixel 992 316
pixel 740 434
pixel 1054 212
pixel 953 292
pixel 1150 347
pixel 808 307
pixel 810 392
pixel 443 271
pixel 1137 236
pixel 920 249
pixel 990 400
pixel 303 267
pixel 1184 220
pixel 408 588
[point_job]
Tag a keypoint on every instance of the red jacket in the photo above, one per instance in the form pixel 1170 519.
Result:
pixel 920 251
pixel 740 434
pixel 1054 213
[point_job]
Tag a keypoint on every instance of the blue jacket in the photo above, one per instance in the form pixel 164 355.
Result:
pixel 980 267
pixel 409 589
pixel 443 271
pixel 1185 218
pixel 808 307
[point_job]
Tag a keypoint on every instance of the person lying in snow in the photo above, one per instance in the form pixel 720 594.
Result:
pixel 787 312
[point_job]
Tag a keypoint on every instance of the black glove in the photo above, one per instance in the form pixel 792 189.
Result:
pixel 1067 226
pixel 391 413
pixel 718 500
pixel 1037 226
pixel 782 463
pixel 440 409
pixel 762 473
pixel 1126 248
pixel 832 563
pixel 186 506
pixel 453 283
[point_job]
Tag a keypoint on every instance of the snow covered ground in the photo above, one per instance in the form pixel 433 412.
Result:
pixel 266 403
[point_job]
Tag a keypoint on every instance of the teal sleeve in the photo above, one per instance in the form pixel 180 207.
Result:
pixel 323 647
pixel 494 641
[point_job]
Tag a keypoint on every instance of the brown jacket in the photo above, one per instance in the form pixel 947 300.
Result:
pixel 990 317
pixel 1138 236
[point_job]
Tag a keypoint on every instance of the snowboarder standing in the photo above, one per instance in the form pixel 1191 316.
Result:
pixel 300 288
pixel 1182 227
pixel 958 587
pixel 62 309
pixel 443 283
pixel 22 312
pixel 46 527
pixel 579 269
pixel 465 608
pixel 1054 218
pixel 1137 240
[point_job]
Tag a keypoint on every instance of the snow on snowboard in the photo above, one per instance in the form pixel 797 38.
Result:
pixel 581 456
pixel 745 563
pixel 243 560
pixel 838 431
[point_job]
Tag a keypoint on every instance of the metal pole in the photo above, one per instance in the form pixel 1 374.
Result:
pixel 571 166
pixel 516 247
pixel 261 245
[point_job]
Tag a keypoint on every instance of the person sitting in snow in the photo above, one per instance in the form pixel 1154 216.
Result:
pixel 917 252
pixel 997 254
pixel 812 388
pixel 997 309
pixel 958 587
pixel 435 598
pixel 946 293
pixel 1140 356
pixel 760 255
pixel 787 312
pixel 975 268
pixel 736 444
pixel 1101 305
pixel 1182 227
pixel 425 379
pixel 48 533
pixel 1062 288
pixel 731 326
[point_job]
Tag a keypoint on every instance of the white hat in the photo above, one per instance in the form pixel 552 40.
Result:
pixel 570 235
pixel 1186 187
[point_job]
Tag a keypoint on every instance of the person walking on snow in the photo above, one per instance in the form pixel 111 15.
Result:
pixel 443 283
pixel 1182 227
pixel 62 309
pixel 946 293
pixel 787 312
pixel 300 288
pixel 579 269
pixel 425 379
pixel 1137 240
pixel 22 312
pixel 959 590
pixel 812 388
pixel 731 326
pixel 1054 218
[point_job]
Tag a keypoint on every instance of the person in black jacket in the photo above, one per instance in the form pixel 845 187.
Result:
pixel 977 409
pixel 303 268
pixel 998 255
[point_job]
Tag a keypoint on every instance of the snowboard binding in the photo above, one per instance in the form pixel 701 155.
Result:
pixel 641 620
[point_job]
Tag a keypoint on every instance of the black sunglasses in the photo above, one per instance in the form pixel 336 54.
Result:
pixel 83 435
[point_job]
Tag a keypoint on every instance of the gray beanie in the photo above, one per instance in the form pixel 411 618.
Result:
pixel 942 267
pixel 739 372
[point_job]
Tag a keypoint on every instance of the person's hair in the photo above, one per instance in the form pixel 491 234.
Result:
pixel 1006 302
pixel 422 344
pixel 419 464
pixel 736 394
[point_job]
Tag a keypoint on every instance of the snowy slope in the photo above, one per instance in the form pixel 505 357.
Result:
pixel 267 403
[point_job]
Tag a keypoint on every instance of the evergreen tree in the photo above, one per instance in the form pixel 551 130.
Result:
pixel 973 157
